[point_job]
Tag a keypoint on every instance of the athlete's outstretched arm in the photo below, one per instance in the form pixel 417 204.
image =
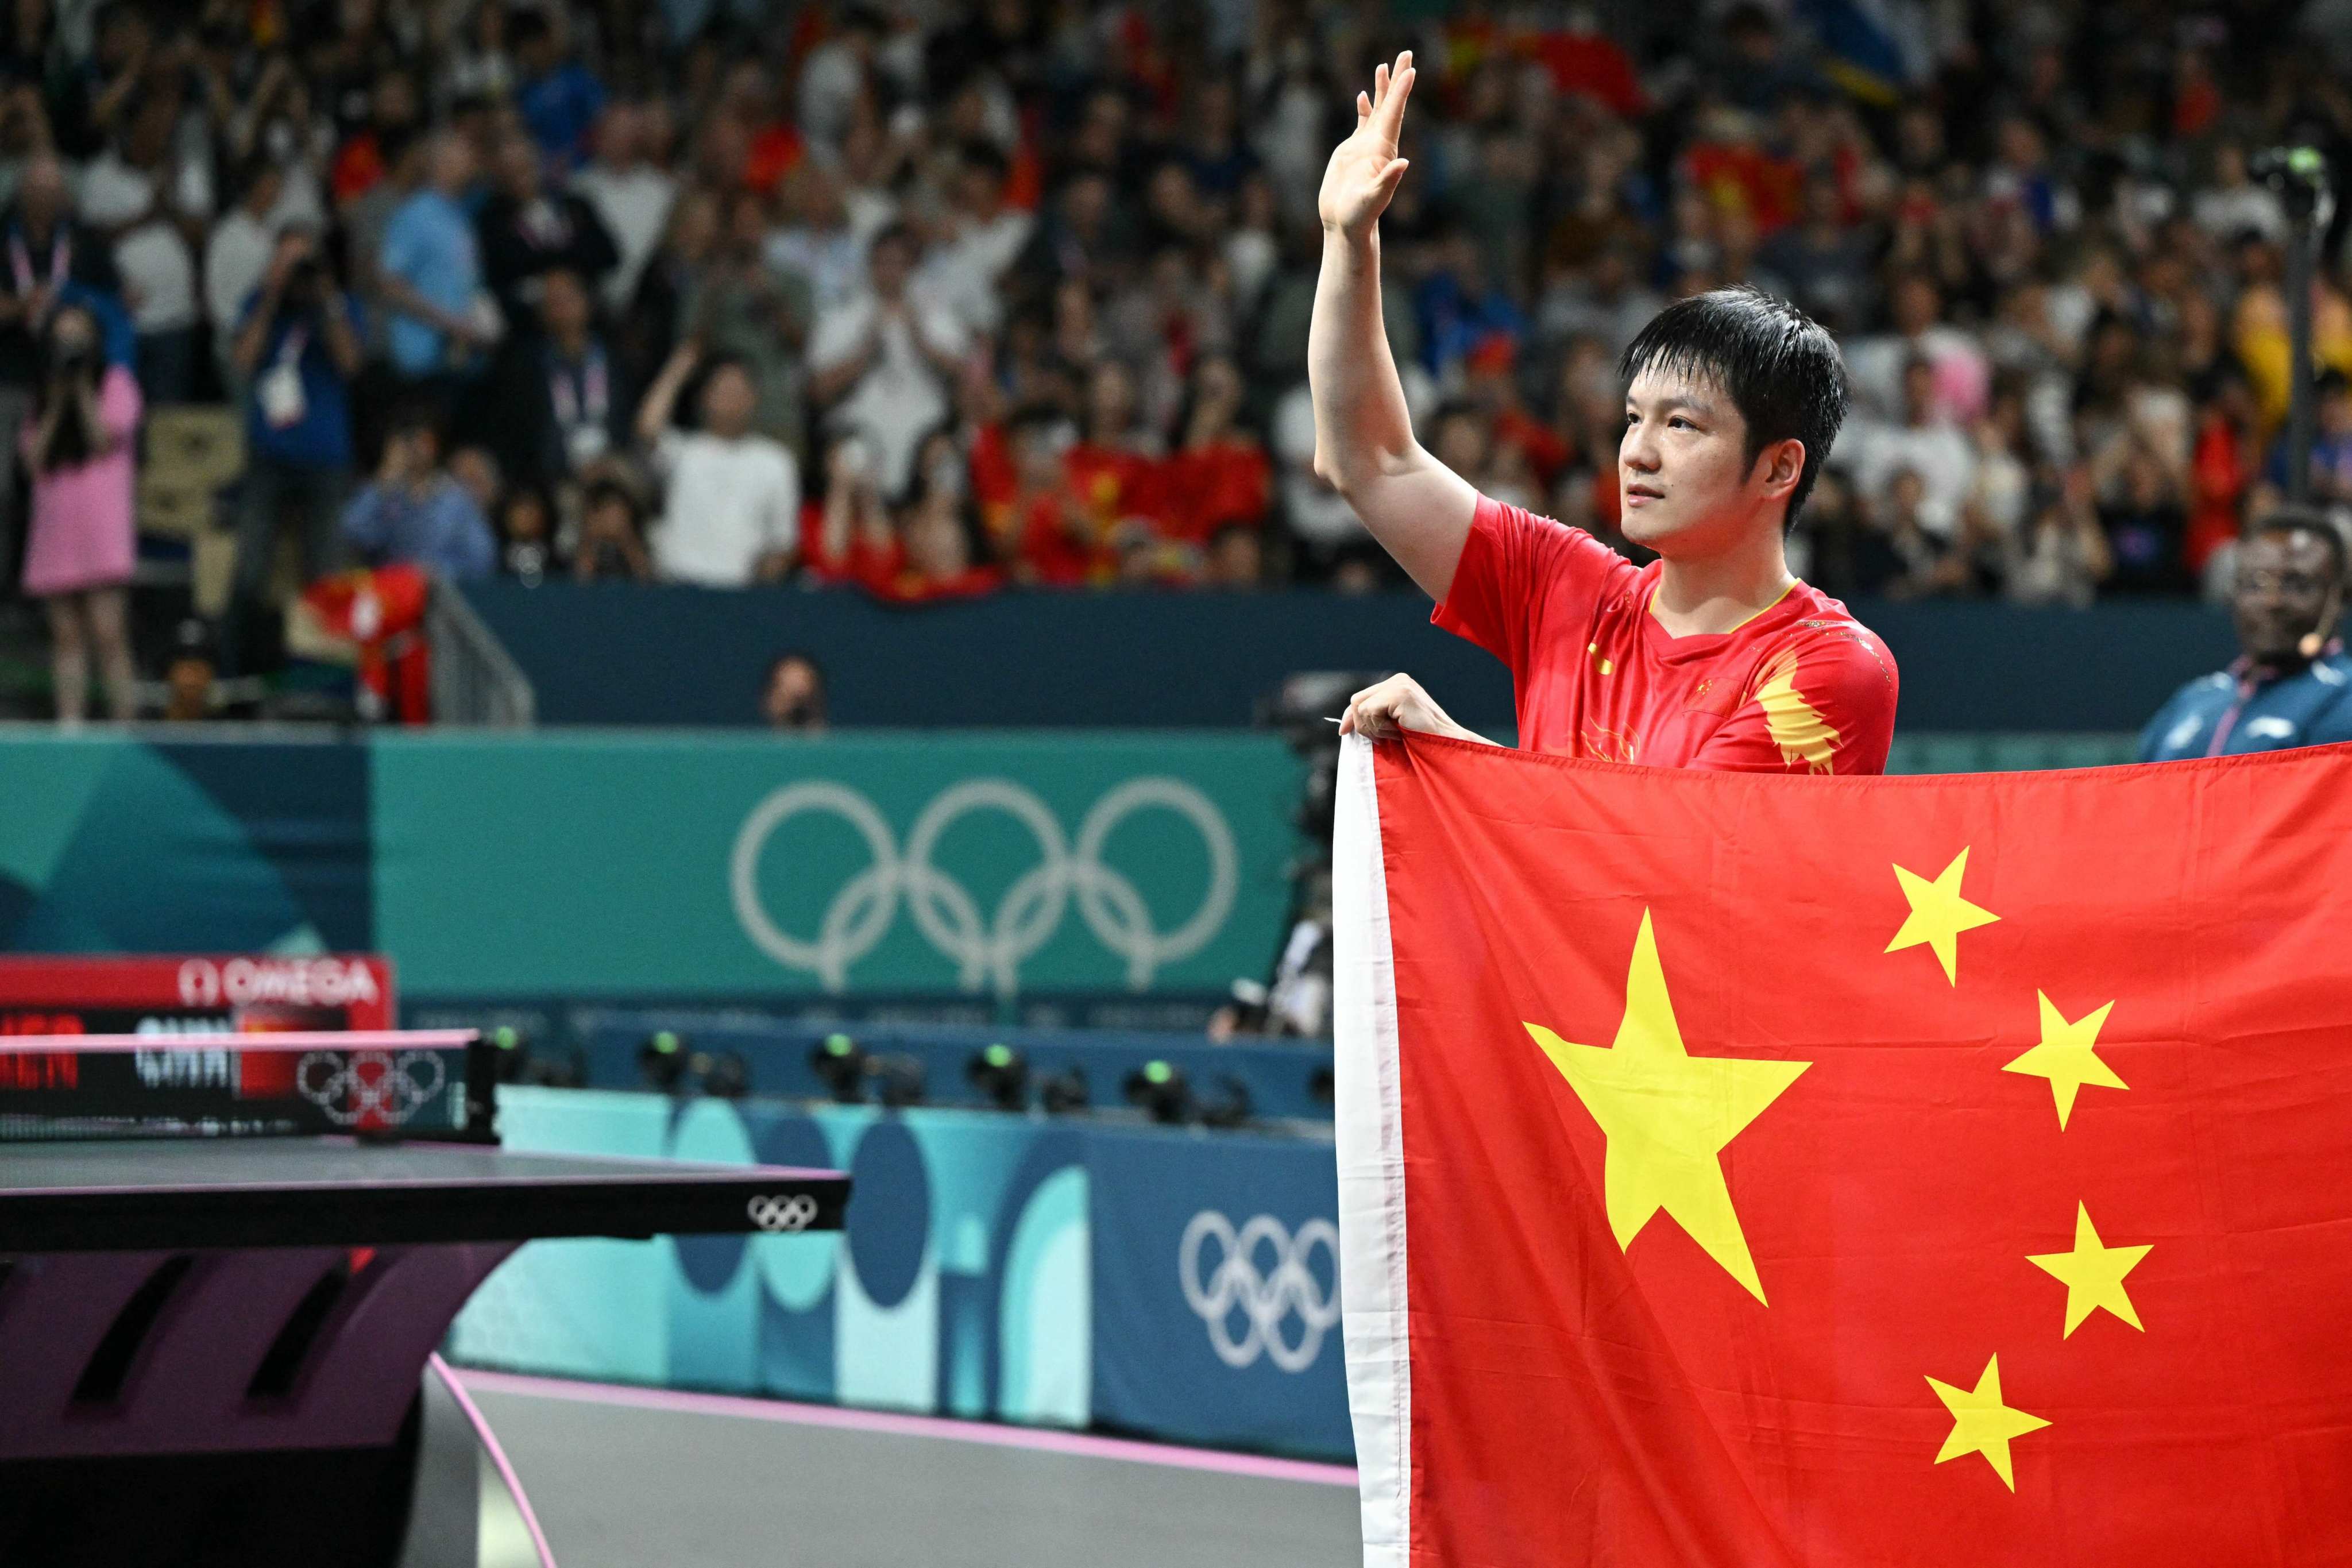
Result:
pixel 1418 509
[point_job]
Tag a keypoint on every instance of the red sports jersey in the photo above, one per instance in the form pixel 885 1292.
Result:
pixel 1801 687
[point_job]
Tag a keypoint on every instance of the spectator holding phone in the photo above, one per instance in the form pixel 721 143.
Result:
pixel 414 513
pixel 612 536
pixel 295 352
pixel 79 553
pixel 46 258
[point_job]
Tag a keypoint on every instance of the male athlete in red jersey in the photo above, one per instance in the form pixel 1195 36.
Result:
pixel 1713 656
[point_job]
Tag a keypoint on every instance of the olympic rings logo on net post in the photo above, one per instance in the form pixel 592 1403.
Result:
pixel 786 1213
pixel 1265 1298
pixel 986 950
pixel 352 1087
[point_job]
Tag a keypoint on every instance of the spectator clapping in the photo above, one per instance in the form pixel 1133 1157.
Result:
pixel 1024 290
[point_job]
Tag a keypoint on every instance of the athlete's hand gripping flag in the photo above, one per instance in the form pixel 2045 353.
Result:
pixel 1742 1170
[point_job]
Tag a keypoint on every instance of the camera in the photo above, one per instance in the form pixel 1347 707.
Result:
pixel 306 281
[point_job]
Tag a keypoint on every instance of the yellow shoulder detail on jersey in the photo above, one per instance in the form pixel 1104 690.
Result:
pixel 1797 727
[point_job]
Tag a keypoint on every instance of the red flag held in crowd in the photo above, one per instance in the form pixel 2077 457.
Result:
pixel 1740 1170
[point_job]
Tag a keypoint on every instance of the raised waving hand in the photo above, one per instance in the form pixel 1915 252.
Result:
pixel 1365 169
pixel 1418 509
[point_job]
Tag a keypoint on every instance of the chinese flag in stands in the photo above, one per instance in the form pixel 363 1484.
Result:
pixel 1742 1171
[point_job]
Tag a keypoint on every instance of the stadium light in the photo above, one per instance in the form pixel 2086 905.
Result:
pixel 1159 1087
pixel 1002 1074
pixel 519 1063
pixel 842 1064
pixel 662 1061
pixel 513 1055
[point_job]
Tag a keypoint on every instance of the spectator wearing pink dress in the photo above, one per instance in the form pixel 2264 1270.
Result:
pixel 77 556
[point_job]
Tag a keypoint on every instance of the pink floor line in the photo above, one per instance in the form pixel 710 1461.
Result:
pixel 1037 1439
pixel 491 1446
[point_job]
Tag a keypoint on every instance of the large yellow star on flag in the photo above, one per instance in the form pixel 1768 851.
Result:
pixel 1938 914
pixel 1667 1116
pixel 1982 1424
pixel 2067 1056
pixel 2094 1273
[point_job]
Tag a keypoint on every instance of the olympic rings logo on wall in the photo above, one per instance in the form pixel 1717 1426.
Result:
pixel 1265 1298
pixel 987 951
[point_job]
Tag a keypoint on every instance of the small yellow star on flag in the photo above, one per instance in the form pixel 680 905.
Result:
pixel 1982 1424
pixel 1667 1115
pixel 2094 1273
pixel 2067 1056
pixel 1938 914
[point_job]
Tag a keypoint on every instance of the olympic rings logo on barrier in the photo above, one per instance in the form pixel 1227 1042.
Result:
pixel 990 950
pixel 795 1211
pixel 352 1087
pixel 1266 1298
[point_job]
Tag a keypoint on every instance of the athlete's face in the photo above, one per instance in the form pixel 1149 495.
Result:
pixel 1682 472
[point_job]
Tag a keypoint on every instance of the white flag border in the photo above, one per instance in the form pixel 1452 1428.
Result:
pixel 1371 1147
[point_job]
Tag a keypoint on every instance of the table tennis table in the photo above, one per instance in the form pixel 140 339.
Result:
pixel 216 1344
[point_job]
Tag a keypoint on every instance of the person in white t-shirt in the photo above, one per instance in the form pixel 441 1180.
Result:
pixel 238 255
pixel 632 195
pixel 140 197
pixel 1925 443
pixel 977 242
pixel 732 501
pixel 884 360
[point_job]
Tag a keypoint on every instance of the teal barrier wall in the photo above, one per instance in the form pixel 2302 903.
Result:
pixel 115 844
pixel 681 867
pixel 2007 754
pixel 1065 1273
pixel 669 866
pixel 1203 660
pixel 955 873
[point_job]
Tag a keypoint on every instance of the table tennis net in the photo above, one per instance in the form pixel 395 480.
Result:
pixel 394 1083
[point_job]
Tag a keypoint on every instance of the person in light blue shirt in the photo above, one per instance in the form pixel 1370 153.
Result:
pixel 430 270
pixel 2291 685
pixel 414 513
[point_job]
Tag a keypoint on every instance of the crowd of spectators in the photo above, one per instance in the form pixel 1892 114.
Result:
pixel 939 296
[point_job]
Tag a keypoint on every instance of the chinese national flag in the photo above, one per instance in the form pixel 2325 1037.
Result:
pixel 1742 1171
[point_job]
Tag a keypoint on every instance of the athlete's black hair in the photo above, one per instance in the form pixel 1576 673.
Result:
pixel 2289 520
pixel 1779 369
